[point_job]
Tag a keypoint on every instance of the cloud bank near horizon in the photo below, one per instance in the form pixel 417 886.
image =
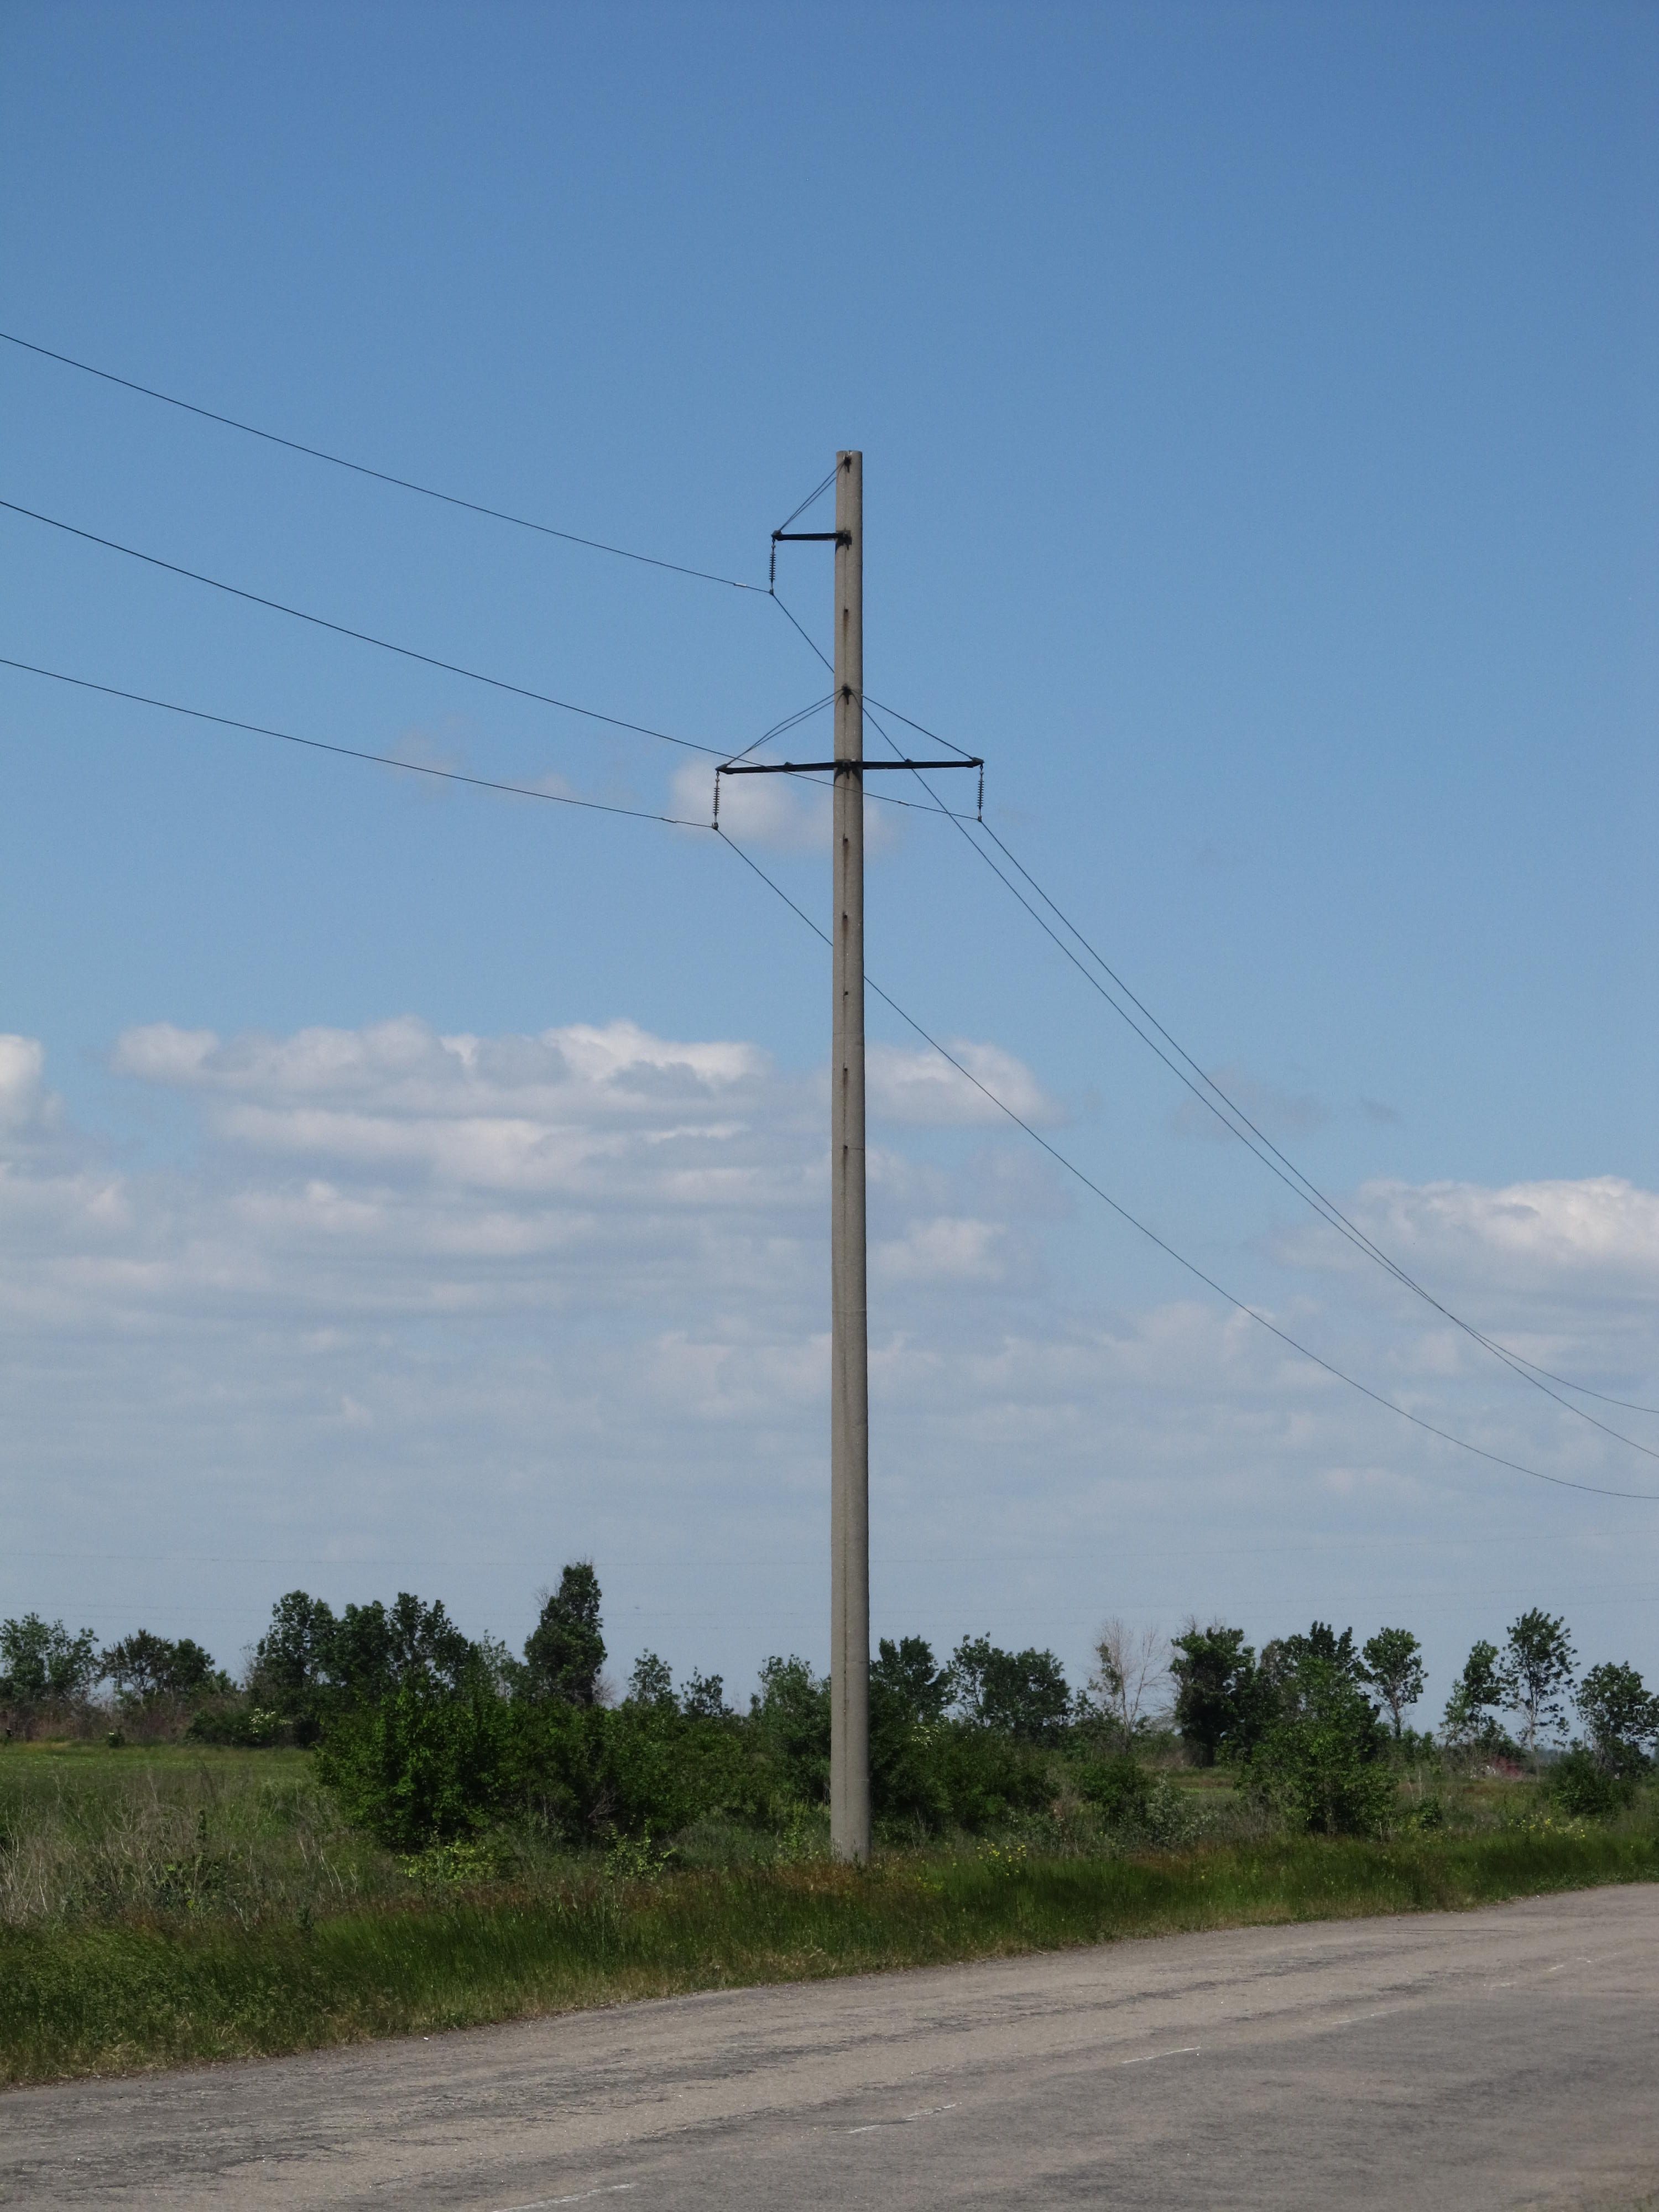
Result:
pixel 576 1280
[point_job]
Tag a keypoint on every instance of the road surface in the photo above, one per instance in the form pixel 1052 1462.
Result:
pixel 1505 2057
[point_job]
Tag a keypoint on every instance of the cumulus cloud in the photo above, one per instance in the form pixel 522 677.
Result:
pixel 776 813
pixel 393 1168
pixel 917 1088
pixel 25 1102
pixel 1531 1234
pixel 576 1281
pixel 947 1249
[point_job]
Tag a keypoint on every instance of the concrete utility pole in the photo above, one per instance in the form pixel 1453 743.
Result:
pixel 850 1338
pixel 849 1324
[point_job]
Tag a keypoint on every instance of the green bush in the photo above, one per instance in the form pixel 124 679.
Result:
pixel 1321 1762
pixel 429 1766
pixel 789 1719
pixel 1583 1787
pixel 1119 1789
pixel 425 1765
pixel 245 1727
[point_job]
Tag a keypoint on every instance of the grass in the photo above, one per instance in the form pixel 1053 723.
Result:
pixel 165 1906
pixel 88 1833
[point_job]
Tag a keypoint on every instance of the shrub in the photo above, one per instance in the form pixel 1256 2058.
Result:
pixel 423 1766
pixel 428 1767
pixel 1119 1788
pixel 1583 1788
pixel 243 1726
pixel 789 1717
pixel 1321 1761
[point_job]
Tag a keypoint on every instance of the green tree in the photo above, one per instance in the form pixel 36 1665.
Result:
pixel 293 1663
pixel 908 1671
pixel 1320 1758
pixel 1319 1738
pixel 652 1682
pixel 1475 1696
pixel 1221 1699
pixel 40 1662
pixel 1284 1656
pixel 1621 1718
pixel 1536 1672
pixel 377 1648
pixel 704 1698
pixel 1022 1693
pixel 144 1666
pixel 1392 1665
pixel 565 1650
pixel 789 1714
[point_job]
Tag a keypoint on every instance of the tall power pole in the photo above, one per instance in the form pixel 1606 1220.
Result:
pixel 849 1325
pixel 849 1340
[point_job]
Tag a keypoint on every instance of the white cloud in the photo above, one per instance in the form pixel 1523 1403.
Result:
pixel 26 1105
pixel 774 813
pixel 918 1088
pixel 948 1250
pixel 1532 1233
pixel 778 813
pixel 572 1288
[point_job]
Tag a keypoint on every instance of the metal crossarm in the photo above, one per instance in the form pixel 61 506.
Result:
pixel 864 767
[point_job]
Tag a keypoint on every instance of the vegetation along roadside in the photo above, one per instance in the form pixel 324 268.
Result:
pixel 386 1827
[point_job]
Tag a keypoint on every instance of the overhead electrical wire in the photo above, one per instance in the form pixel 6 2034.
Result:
pixel 1231 1115
pixel 1308 1188
pixel 1255 1139
pixel 817 492
pixel 417 768
pixel 450 667
pixel 1268 1153
pixel 1061 1159
pixel 379 475
pixel 1340 1375
pixel 352 752
pixel 362 636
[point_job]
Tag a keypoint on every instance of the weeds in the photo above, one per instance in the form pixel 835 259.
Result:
pixel 176 1904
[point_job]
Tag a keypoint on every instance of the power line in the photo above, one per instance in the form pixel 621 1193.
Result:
pixel 1527 1370
pixel 1305 1188
pixel 817 493
pixel 380 476
pixel 1191 1267
pixel 417 768
pixel 352 752
pixel 1257 1142
pixel 363 637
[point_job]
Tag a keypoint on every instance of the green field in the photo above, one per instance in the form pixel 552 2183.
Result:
pixel 162 1906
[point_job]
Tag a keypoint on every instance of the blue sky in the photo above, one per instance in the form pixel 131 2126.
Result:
pixel 1260 461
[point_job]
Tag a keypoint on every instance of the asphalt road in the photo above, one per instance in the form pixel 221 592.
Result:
pixel 1509 2056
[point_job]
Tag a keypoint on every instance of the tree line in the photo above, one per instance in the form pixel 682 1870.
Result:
pixel 427 1734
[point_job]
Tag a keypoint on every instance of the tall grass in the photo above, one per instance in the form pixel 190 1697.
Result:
pixel 165 1907
pixel 91 1835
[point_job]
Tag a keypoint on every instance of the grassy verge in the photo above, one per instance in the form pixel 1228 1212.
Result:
pixel 96 1999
